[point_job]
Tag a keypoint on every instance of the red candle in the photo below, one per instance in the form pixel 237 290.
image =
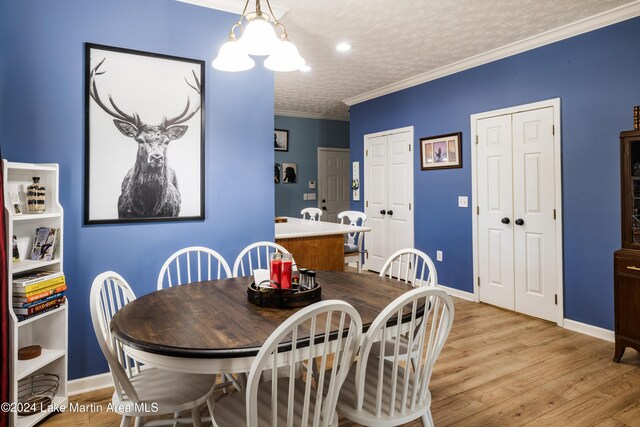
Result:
pixel 286 271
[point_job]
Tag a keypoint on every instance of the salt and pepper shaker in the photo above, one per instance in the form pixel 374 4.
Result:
pixel 311 279
pixel 302 281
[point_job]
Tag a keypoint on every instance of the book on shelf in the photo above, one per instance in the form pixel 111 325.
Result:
pixel 22 317
pixel 44 244
pixel 39 307
pixel 31 278
pixel 39 294
pixel 30 284
pixel 28 304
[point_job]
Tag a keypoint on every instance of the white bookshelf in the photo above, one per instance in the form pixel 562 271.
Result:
pixel 50 329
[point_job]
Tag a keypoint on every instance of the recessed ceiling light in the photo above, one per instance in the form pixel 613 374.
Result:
pixel 305 68
pixel 343 47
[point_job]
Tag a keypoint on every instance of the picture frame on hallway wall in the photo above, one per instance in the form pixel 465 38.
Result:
pixel 289 173
pixel 280 140
pixel 441 151
pixel 144 136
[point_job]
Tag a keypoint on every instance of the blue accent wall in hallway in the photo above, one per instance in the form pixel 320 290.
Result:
pixel 42 120
pixel 596 77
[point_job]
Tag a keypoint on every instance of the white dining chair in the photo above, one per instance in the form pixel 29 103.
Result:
pixel 192 264
pixel 411 266
pixel 353 247
pixel 298 399
pixel 314 214
pixel 382 392
pixel 256 256
pixel 142 391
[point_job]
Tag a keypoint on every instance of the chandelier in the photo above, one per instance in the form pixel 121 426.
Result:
pixel 258 37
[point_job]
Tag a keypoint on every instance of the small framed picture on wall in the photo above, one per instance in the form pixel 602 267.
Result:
pixel 289 173
pixel 281 140
pixel 441 152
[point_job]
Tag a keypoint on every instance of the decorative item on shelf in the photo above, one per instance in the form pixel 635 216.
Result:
pixel 15 202
pixel 29 352
pixel 44 244
pixel 36 196
pixel 636 169
pixel 258 37
pixel 15 253
pixel 636 117
pixel 37 392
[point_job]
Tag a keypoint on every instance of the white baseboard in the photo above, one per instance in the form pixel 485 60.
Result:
pixel 87 384
pixel 593 331
pixel 458 293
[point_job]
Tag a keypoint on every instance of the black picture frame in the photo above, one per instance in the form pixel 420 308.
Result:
pixel 281 140
pixel 450 158
pixel 144 119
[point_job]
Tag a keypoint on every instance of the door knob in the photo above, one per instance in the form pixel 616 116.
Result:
pixel 324 201
pixel 383 212
pixel 519 221
pixel 324 208
pixel 505 220
pixel 390 212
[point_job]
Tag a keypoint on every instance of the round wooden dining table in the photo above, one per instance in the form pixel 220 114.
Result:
pixel 211 327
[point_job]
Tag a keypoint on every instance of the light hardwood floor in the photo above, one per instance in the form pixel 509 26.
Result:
pixel 502 369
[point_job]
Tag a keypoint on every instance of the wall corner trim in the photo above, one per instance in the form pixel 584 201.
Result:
pixel 601 20
pixel 593 331
pixel 91 383
pixel 467 296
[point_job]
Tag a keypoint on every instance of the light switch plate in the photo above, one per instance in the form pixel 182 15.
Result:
pixel 305 196
pixel 463 202
pixel 312 196
pixel 438 255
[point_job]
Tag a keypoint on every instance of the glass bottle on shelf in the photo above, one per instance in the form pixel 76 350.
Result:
pixel 36 196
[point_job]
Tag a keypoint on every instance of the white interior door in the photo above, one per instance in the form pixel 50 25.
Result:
pixel 388 194
pixel 517 255
pixel 534 204
pixel 375 196
pixel 495 238
pixel 334 182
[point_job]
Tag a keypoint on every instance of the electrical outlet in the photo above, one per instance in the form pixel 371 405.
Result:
pixel 438 255
pixel 463 202
pixel 312 185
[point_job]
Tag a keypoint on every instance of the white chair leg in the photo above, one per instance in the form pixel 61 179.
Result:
pixel 176 415
pixel 138 422
pixel 195 415
pixel 125 421
pixel 427 419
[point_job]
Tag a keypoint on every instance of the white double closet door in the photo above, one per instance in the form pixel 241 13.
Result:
pixel 516 186
pixel 388 194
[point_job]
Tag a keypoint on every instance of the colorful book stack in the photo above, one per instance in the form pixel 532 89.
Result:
pixel 38 293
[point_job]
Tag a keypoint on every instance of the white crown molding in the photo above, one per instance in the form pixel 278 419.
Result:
pixel 233 6
pixel 304 115
pixel 595 22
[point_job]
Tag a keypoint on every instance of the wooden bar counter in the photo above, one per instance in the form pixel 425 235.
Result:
pixel 315 245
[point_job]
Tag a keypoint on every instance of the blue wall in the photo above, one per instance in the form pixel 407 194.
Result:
pixel 305 136
pixel 42 120
pixel 596 77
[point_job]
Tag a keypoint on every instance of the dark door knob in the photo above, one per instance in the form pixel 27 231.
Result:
pixel 519 221
pixel 390 212
pixel 324 201
pixel 505 220
pixel 383 212
pixel 324 208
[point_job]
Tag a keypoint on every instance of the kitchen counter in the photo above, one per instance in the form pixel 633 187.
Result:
pixel 296 227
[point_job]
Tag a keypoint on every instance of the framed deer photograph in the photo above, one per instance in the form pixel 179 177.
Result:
pixel 144 136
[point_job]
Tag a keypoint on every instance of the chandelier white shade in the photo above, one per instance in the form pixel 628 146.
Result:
pixel 258 37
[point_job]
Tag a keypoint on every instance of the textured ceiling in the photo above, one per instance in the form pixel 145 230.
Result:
pixel 394 40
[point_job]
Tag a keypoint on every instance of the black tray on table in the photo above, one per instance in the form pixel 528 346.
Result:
pixel 282 298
